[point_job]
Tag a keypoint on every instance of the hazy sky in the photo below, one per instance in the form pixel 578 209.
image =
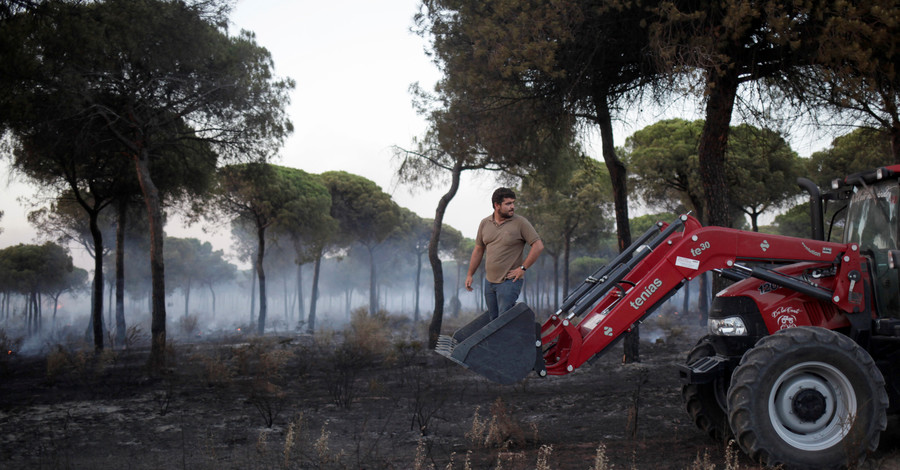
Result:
pixel 353 62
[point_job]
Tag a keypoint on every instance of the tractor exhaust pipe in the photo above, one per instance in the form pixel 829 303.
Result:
pixel 815 207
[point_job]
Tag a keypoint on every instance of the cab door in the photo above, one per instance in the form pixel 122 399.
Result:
pixel 872 223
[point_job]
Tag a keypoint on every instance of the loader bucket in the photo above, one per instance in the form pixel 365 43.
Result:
pixel 504 350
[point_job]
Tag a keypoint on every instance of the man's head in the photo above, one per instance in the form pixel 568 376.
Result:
pixel 503 201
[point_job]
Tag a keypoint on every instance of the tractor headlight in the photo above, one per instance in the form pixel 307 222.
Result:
pixel 731 326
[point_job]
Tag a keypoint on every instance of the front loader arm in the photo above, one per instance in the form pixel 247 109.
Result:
pixel 647 273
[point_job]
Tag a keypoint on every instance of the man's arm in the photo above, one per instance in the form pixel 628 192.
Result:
pixel 474 262
pixel 536 248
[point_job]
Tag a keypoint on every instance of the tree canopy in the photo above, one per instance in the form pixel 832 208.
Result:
pixel 365 215
pixel 33 270
pixel 760 167
pixel 859 150
pixel 142 78
pixel 261 195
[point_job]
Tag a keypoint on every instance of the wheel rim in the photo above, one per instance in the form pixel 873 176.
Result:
pixel 811 406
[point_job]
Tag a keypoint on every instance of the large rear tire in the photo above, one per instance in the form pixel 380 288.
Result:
pixel 705 403
pixel 807 398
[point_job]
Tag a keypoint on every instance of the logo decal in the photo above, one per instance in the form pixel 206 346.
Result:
pixel 786 317
pixel 703 247
pixel 785 311
pixel 764 245
pixel 767 287
pixel 607 331
pixel 810 250
pixel 646 294
pixel 787 321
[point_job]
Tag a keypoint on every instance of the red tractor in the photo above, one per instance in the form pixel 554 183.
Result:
pixel 797 365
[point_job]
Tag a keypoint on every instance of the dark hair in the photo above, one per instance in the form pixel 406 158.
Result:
pixel 500 194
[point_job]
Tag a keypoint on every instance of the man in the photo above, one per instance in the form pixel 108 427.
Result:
pixel 501 238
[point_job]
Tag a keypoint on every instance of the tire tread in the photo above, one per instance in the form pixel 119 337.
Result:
pixel 750 371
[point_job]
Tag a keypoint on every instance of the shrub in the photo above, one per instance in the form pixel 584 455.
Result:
pixel 136 336
pixel 268 399
pixel 57 363
pixel 189 325
pixel 369 333
pixel 347 361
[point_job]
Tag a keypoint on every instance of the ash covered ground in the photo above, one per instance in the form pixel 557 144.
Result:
pixel 363 398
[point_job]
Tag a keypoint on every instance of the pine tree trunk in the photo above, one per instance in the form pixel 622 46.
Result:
pixel 55 308
pixel 314 295
pixel 253 295
pixel 617 175
pixel 97 293
pixel 261 274
pixel 301 309
pixel 556 281
pixel 120 272
pixel 373 294
pixel 157 362
pixel 418 284
pixel 287 299
pixel 437 318
pixel 457 303
pixel 348 299
pixel 212 294
pixel 187 297
pixel 722 91
pixel 110 301
pixel 566 253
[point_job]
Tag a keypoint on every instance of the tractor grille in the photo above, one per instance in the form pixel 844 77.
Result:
pixel 819 314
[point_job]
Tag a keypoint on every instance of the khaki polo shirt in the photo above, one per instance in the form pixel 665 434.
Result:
pixel 503 244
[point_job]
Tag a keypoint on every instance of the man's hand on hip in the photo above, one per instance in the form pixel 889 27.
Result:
pixel 516 274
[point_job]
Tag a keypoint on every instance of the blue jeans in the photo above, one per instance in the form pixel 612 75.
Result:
pixel 501 297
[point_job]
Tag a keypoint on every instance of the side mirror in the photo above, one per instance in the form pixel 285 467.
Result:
pixel 894 259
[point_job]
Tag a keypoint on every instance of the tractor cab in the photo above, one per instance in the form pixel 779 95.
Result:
pixel 870 219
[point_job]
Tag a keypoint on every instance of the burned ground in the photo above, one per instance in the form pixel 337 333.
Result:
pixel 332 401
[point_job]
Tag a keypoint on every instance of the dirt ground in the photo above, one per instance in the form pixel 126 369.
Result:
pixel 303 402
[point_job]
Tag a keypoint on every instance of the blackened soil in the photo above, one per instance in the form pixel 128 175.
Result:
pixel 296 402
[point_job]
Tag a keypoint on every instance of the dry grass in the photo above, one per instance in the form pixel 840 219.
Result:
pixel 501 430
pixel 543 458
pixel 81 364
pixel 601 461
pixel 216 370
pixel 703 462
pixel 419 459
